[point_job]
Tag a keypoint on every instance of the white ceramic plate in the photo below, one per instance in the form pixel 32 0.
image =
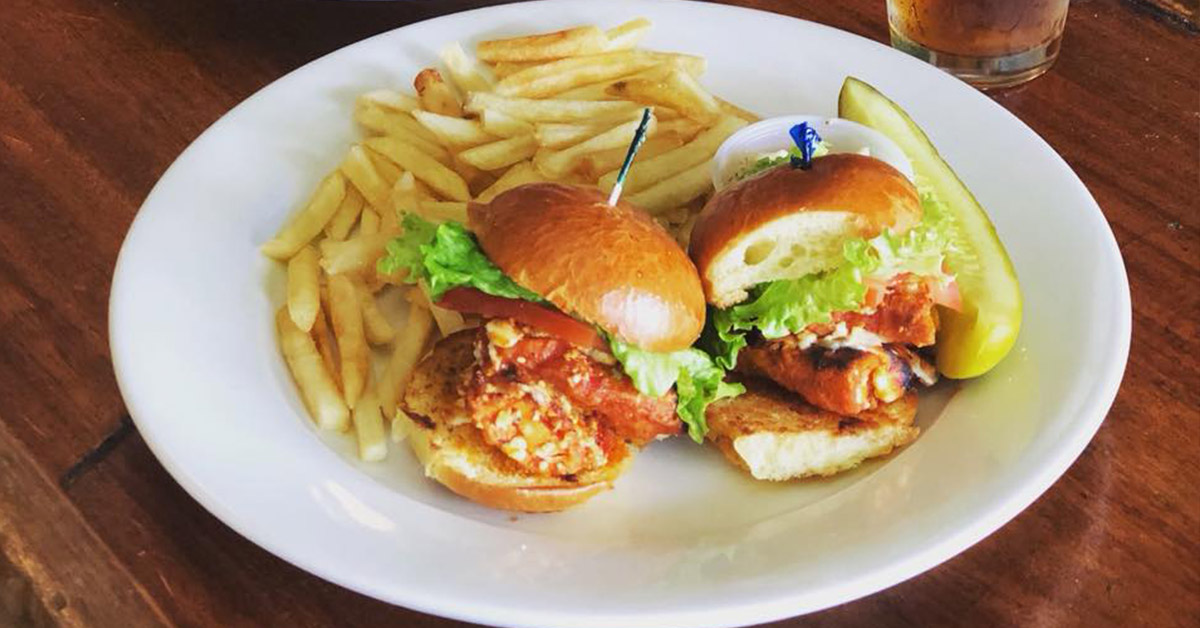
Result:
pixel 684 540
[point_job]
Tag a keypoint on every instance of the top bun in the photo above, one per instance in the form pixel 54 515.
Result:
pixel 611 266
pixel 789 222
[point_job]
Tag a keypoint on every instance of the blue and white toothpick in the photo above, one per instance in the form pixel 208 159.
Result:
pixel 639 137
pixel 806 140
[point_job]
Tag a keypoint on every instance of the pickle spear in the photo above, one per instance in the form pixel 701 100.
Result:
pixel 972 341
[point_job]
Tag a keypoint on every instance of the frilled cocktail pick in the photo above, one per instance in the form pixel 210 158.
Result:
pixel 806 140
pixel 639 137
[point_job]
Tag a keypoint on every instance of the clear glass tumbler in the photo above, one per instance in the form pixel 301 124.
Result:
pixel 988 43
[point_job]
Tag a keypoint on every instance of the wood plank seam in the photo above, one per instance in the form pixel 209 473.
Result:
pixel 93 456
pixel 1169 13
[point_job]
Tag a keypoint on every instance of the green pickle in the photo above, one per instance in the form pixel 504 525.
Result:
pixel 970 342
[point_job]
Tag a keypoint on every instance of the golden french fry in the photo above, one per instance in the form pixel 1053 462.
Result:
pixel 368 223
pixel 731 109
pixel 387 169
pixel 628 35
pixel 555 164
pixel 360 169
pixel 443 211
pixel 592 166
pixel 406 351
pixel 376 326
pixel 677 190
pixel 316 385
pixel 503 125
pixel 304 288
pixel 346 311
pixel 502 69
pixel 685 128
pixel 442 179
pixel 368 428
pixel 346 216
pixel 559 76
pixel 404 195
pixel 678 90
pixel 463 71
pixel 477 180
pixel 454 132
pixel 583 40
pixel 435 93
pixel 389 220
pixel 353 255
pixel 399 124
pixel 564 134
pixel 388 99
pixel 323 338
pixel 599 91
pixel 448 321
pixel 501 153
pixel 649 171
pixel 400 424
pixel 518 174
pixel 305 225
pixel 532 110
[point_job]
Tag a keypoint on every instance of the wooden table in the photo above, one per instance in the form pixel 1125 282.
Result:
pixel 97 98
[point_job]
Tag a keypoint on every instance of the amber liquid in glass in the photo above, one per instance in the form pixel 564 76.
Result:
pixel 986 42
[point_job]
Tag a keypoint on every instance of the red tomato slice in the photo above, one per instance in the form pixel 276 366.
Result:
pixel 553 322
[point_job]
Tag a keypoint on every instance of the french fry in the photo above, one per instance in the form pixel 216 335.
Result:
pixel 406 351
pixel 435 93
pixel 405 196
pixel 389 220
pixel 532 110
pixel 360 169
pixel 368 223
pixel 305 226
pixel 683 233
pixel 346 311
pixel 463 71
pixel 323 338
pixel 559 76
pixel 731 109
pixel 375 325
pixel 388 99
pixel 304 288
pixel 501 153
pixel 628 35
pixel 316 385
pixel 400 425
pixel 555 164
pixel 685 128
pixel 448 321
pixel 599 91
pixel 443 211
pixel 477 180
pixel 564 134
pixel 398 124
pixel 386 168
pixel 454 132
pixel 518 174
pixel 346 216
pixel 655 169
pixel 503 125
pixel 502 69
pixel 353 255
pixel 583 40
pixel 592 166
pixel 442 179
pixel 678 90
pixel 677 190
pixel 368 428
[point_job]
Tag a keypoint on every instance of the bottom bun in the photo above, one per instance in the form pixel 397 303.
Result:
pixel 454 453
pixel 774 435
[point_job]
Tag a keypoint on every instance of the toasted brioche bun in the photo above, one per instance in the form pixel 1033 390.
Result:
pixel 611 266
pixel 789 222
pixel 455 454
pixel 774 435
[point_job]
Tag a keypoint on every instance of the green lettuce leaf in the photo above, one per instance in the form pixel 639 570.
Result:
pixel 779 308
pixel 698 381
pixel 766 162
pixel 447 256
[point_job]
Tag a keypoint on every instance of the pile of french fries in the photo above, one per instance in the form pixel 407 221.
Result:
pixel 559 106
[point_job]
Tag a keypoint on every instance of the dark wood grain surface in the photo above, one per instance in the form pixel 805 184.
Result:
pixel 97 99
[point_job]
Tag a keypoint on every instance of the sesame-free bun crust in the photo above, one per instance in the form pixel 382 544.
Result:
pixel 788 222
pixel 611 266
pixel 455 454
